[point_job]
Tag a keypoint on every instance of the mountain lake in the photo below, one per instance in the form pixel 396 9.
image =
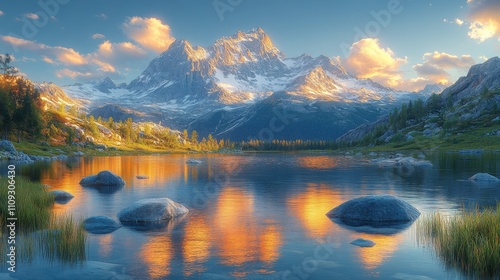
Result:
pixel 258 216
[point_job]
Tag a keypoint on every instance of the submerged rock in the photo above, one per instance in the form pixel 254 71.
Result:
pixel 193 161
pixel 152 210
pixel 100 224
pixel 142 177
pixel 363 242
pixel 484 177
pixel 62 196
pixel 103 178
pixel 375 210
pixel 402 162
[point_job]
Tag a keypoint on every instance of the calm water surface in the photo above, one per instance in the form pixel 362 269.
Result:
pixel 255 216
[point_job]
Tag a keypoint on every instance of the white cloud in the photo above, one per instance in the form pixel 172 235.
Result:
pixel 98 36
pixel 32 16
pixel 459 21
pixel 149 32
pixel 1 13
pixel 484 58
pixel 102 16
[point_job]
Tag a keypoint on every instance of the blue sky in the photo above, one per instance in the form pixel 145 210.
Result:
pixel 422 42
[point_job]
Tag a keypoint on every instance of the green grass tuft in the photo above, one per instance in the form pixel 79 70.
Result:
pixel 38 230
pixel 468 242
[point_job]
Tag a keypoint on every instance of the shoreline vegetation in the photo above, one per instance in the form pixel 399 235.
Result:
pixel 469 242
pixel 39 232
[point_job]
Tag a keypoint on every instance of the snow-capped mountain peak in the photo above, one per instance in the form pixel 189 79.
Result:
pixel 254 45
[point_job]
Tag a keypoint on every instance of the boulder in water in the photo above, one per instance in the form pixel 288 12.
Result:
pixel 193 161
pixel 103 178
pixel 61 196
pixel 152 210
pixel 100 225
pixel 363 242
pixel 484 177
pixel 375 210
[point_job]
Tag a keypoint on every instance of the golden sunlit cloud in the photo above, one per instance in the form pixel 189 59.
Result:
pixel 369 60
pixel 49 60
pixel 484 15
pixel 149 32
pixel 63 55
pixel 435 66
pixel 103 61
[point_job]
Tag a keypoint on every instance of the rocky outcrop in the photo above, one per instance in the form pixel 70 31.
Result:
pixel 152 210
pixel 193 161
pixel 100 225
pixel 103 178
pixel 7 146
pixel 375 210
pixel 480 77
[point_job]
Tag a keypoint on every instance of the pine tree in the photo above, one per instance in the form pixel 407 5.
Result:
pixel 5 112
pixel 194 137
pixel 5 67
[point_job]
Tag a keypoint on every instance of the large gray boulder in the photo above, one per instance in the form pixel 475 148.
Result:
pixel 152 210
pixel 375 210
pixel 103 178
pixel 484 177
pixel 100 225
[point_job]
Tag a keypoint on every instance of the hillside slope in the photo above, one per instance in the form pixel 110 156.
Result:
pixel 465 115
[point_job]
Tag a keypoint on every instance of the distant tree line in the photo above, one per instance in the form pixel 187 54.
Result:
pixel 287 145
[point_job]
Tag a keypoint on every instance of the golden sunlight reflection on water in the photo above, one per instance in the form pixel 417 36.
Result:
pixel 318 162
pixel 156 253
pixel 310 207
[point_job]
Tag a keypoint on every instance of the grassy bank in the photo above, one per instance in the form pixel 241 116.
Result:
pixel 38 231
pixel 469 242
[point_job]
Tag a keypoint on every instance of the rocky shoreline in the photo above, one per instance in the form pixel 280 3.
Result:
pixel 9 152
